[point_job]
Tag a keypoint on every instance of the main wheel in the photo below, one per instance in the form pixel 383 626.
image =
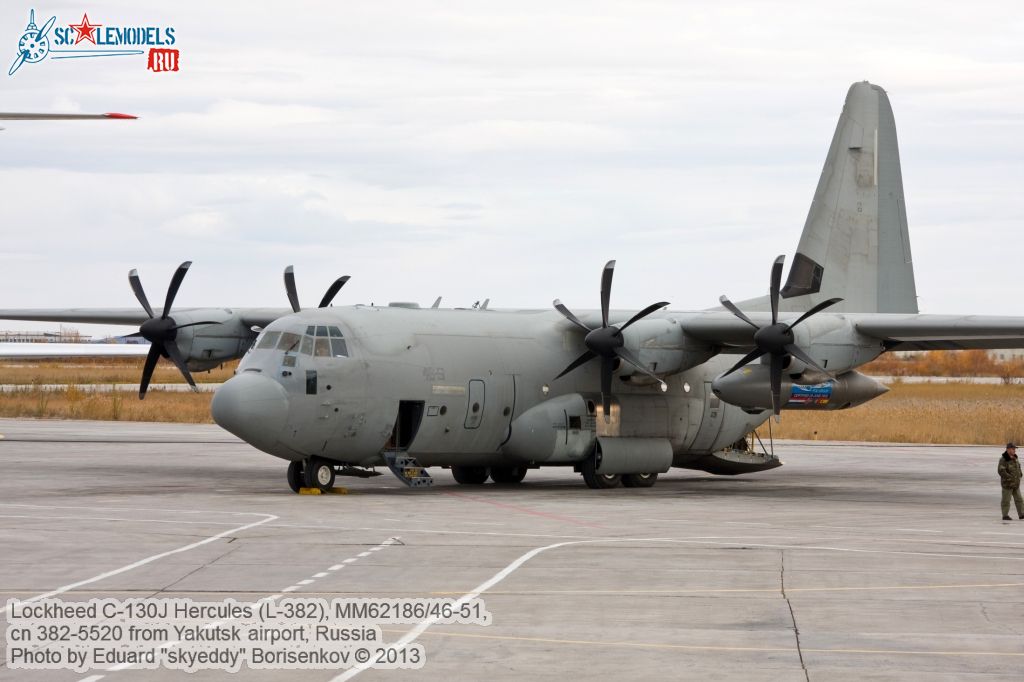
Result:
pixel 295 476
pixel 319 473
pixel 469 475
pixel 639 480
pixel 508 474
pixel 598 481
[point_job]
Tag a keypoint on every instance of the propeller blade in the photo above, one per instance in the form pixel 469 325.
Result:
pixel 775 369
pixel 607 367
pixel 816 309
pixel 736 311
pixel 172 289
pixel 798 353
pixel 45 29
pixel 606 290
pixel 437 303
pixel 776 285
pixel 289 286
pixel 644 313
pixel 567 314
pixel 635 361
pixel 749 357
pixel 192 324
pixel 133 279
pixel 18 61
pixel 172 352
pixel 333 290
pixel 147 369
pixel 583 359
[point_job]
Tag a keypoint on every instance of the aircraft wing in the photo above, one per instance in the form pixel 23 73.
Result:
pixel 943 332
pixel 896 331
pixel 73 350
pixel 125 316
pixel 130 316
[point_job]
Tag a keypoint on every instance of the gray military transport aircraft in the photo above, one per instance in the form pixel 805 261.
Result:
pixel 620 396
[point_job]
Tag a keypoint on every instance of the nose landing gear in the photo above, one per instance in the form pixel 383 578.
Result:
pixel 312 473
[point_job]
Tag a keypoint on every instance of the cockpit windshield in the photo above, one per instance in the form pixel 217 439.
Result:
pixel 321 341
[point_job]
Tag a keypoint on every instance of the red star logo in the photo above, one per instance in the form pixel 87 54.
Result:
pixel 85 30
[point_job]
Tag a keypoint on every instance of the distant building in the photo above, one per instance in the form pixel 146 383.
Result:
pixel 65 335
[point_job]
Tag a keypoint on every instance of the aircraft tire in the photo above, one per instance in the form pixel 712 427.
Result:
pixel 596 481
pixel 295 477
pixel 469 475
pixel 508 475
pixel 639 480
pixel 319 473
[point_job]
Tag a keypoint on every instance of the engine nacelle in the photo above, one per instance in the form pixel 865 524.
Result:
pixel 750 388
pixel 206 346
pixel 663 348
pixel 560 430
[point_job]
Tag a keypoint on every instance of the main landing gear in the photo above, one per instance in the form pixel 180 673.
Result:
pixel 315 472
pixel 598 481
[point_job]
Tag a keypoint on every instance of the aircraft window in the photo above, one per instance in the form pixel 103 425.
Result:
pixel 311 330
pixel 338 348
pixel 269 340
pixel 289 361
pixel 321 331
pixel 335 332
pixel 322 348
pixel 289 340
pixel 307 345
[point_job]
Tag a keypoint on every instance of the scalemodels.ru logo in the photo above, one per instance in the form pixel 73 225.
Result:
pixel 87 39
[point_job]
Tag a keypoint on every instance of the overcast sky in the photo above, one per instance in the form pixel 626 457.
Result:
pixel 501 150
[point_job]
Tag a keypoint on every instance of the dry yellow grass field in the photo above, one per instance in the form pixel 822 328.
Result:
pixel 980 414
pixel 919 413
pixel 100 371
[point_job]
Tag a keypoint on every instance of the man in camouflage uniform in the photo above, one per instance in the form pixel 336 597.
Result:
pixel 1009 477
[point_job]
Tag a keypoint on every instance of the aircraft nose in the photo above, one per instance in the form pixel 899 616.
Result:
pixel 252 407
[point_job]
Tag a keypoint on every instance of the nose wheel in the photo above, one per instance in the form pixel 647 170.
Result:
pixel 295 476
pixel 312 473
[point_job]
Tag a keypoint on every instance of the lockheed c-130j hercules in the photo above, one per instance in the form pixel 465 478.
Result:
pixel 621 396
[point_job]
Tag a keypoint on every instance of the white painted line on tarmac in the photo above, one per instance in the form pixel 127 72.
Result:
pixel 148 560
pixel 322 574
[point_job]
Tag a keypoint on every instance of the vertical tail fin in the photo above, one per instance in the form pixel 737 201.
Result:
pixel 855 243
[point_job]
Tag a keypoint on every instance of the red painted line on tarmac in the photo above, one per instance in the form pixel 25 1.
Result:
pixel 524 510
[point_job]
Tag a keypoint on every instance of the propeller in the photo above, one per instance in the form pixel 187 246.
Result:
pixel 606 342
pixel 162 331
pixel 777 339
pixel 293 292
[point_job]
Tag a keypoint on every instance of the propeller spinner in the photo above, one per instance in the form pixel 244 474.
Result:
pixel 606 341
pixel 162 331
pixel 777 339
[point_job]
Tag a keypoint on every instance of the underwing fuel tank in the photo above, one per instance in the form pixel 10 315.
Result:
pixel 750 388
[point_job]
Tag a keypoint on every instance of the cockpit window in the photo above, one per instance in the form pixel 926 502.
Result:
pixel 307 345
pixel 289 341
pixel 269 340
pixel 322 348
pixel 311 330
pixel 338 347
pixel 335 332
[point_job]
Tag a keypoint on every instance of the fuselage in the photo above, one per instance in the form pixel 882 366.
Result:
pixel 448 386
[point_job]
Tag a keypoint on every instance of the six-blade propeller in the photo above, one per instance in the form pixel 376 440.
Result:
pixel 606 341
pixel 777 339
pixel 162 331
